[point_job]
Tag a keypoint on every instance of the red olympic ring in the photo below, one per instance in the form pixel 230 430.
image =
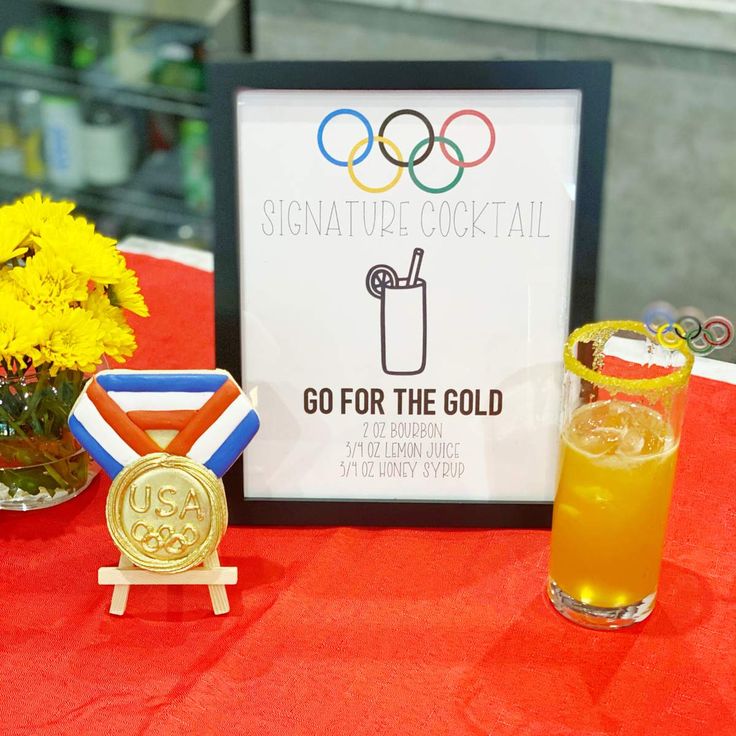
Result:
pixel 727 336
pixel 488 151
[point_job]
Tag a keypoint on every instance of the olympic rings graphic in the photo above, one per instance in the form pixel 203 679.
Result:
pixel 394 156
pixel 352 161
pixel 672 328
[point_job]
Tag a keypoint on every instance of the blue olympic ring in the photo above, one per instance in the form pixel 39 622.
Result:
pixel 662 316
pixel 344 111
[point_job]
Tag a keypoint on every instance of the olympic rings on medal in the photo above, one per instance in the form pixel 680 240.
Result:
pixel 414 159
pixel 488 151
pixel 436 190
pixel 152 540
pixel 344 111
pixel 701 335
pixel 430 130
pixel 352 161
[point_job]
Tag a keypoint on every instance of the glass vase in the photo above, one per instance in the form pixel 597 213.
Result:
pixel 41 464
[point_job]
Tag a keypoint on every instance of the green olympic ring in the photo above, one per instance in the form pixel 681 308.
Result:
pixel 447 187
pixel 697 334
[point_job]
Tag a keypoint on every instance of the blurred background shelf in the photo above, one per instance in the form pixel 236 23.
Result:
pixel 127 201
pixel 126 209
pixel 210 13
pixel 101 85
pixel 104 102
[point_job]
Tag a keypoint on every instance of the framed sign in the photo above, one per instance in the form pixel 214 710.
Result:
pixel 401 249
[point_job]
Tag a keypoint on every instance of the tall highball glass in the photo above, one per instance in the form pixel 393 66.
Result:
pixel 622 408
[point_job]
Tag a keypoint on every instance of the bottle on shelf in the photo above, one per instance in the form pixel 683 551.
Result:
pixel 63 141
pixel 180 66
pixel 31 133
pixel 109 146
pixel 89 41
pixel 195 164
pixel 133 52
pixel 36 45
pixel 11 157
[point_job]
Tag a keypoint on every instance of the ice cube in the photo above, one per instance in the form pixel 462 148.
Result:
pixel 608 438
pixel 632 442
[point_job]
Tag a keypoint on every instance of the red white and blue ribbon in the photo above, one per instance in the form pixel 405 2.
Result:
pixel 213 419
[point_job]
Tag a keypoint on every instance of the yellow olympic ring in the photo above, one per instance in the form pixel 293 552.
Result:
pixel 667 336
pixel 365 187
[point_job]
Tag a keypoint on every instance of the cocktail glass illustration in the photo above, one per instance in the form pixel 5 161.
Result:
pixel 403 317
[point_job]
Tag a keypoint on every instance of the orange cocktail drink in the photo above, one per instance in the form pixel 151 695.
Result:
pixel 619 443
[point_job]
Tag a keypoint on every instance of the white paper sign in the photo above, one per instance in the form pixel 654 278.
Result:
pixel 404 324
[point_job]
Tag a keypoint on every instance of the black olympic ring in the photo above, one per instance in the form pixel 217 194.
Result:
pixel 416 114
pixel 690 334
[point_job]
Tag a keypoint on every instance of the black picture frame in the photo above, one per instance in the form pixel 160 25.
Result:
pixel 591 78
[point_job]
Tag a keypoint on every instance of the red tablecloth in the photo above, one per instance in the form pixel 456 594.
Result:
pixel 355 631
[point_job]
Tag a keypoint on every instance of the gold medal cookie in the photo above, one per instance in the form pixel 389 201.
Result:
pixel 165 438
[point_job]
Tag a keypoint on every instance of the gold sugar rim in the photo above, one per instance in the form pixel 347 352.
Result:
pixel 595 330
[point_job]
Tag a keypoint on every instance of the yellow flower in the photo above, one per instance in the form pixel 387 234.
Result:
pixel 118 339
pixel 34 210
pixel 7 286
pixel 20 330
pixel 47 281
pixel 89 253
pixel 71 339
pixel 63 288
pixel 13 236
pixel 126 294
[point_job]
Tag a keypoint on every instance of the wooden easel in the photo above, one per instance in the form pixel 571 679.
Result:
pixel 209 573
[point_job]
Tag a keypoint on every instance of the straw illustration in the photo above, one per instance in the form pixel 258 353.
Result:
pixel 416 264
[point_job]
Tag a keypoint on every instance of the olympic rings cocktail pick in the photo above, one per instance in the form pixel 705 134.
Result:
pixel 166 438
pixel 673 328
